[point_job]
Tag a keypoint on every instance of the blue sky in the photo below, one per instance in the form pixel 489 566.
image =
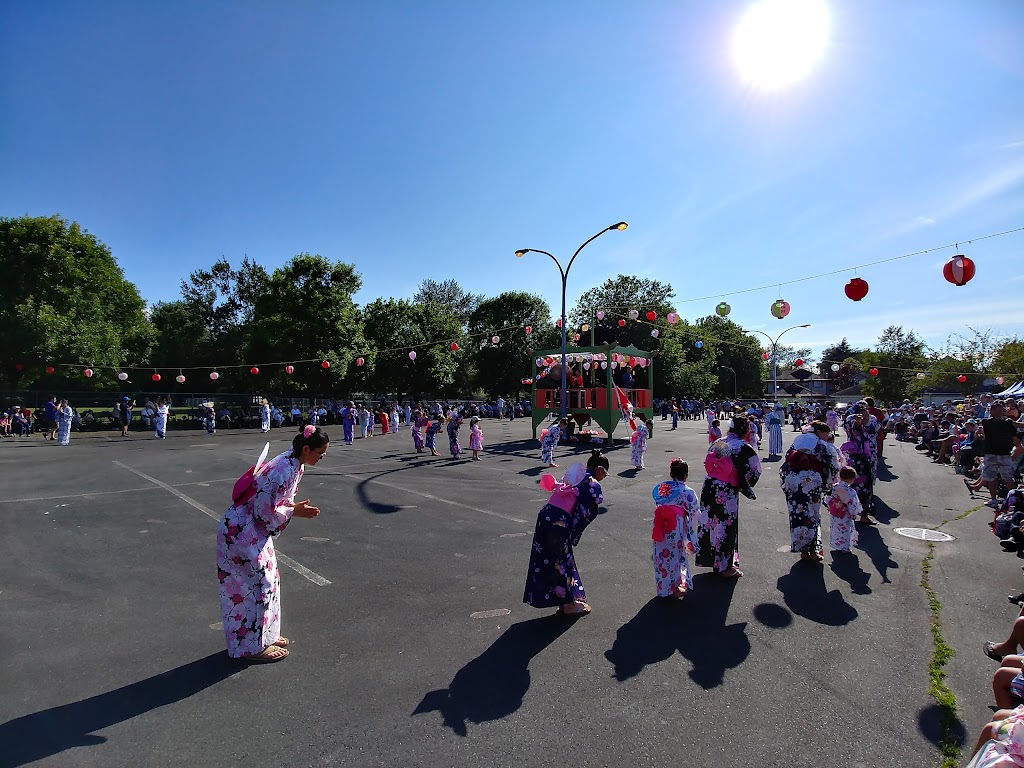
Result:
pixel 433 139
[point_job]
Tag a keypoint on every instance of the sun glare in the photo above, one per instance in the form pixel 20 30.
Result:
pixel 778 42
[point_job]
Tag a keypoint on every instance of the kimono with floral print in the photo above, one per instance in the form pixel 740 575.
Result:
pixel 552 579
pixel 548 443
pixel 639 440
pixel 674 535
pixel 453 436
pixel 861 450
pixel 806 475
pixel 417 431
pixel 718 514
pixel 843 509
pixel 250 585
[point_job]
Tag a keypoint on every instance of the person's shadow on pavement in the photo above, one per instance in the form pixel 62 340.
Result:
pixel 870 541
pixel 492 685
pixel 695 627
pixel 846 566
pixel 51 731
pixel 804 593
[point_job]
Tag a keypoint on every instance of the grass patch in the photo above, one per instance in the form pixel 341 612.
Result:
pixel 962 515
pixel 942 652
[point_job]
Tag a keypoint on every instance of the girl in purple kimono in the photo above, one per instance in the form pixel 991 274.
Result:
pixel 419 422
pixel 733 468
pixel 860 449
pixel 453 435
pixel 552 579
pixel 250 586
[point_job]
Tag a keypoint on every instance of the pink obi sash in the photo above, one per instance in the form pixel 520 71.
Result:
pixel 721 468
pixel 564 497
pixel 666 517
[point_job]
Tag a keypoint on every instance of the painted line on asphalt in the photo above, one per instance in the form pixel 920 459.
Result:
pixel 90 494
pixel 302 570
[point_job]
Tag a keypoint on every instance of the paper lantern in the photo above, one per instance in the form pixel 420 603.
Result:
pixel 643 362
pixel 254 370
pixel 19 367
pixel 652 316
pixel 632 361
pixel 856 289
pixel 633 314
pixel 999 380
pixel 87 373
pixel 961 378
pixel 780 308
pixel 622 323
pixel 325 364
pixel 798 363
pixel 180 378
pixel 49 369
pixel 558 323
pixel 604 365
pixel 655 333
pixel 723 309
pixel 959 270
pixel 835 367
pixel 765 355
pixel 698 344
pixel 575 337
pixel 538 377
pixel 289 369
pixel 214 375
pixel 614 364
pixel 122 376
pixel 873 371
pixel 359 361
pixel 586 327
pixel 412 355
pixel 672 318
pixel 528 330
pixel 495 339
pixel 539 361
pixel 600 314
pixel 453 347
pixel 155 377
pixel 922 375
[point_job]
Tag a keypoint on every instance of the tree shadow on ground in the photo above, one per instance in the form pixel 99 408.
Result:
pixel 930 724
pixel 492 685
pixel 804 592
pixel 882 512
pixel 695 627
pixel 846 566
pixel 870 541
pixel 52 731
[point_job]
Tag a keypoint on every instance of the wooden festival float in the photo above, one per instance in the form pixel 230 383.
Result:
pixel 598 400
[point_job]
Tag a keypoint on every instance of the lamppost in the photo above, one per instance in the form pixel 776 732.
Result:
pixel 775 357
pixel 565 275
pixel 735 384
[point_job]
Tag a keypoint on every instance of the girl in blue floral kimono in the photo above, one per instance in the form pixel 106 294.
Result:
pixel 552 579
pixel 431 438
pixel 674 536
pixel 774 422
pixel 733 468
pixel 807 474
pixel 549 441
pixel 453 435
pixel 639 441
pixel 64 416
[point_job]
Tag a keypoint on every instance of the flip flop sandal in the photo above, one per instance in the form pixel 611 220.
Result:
pixel 281 642
pixel 990 650
pixel 268 655
pixel 579 609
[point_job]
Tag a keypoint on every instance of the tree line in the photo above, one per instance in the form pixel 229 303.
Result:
pixel 67 306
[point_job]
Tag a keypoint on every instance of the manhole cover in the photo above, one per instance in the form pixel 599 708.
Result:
pixel 924 534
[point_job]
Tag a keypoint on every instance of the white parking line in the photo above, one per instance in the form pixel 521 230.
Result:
pixel 302 570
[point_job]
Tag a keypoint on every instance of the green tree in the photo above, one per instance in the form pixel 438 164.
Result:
pixel 65 301
pixel 615 298
pixel 500 367
pixel 306 312
pixel 449 294
pixel 731 346
pixel 1009 361
pixel 897 355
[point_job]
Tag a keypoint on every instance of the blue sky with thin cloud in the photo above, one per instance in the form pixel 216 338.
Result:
pixel 434 139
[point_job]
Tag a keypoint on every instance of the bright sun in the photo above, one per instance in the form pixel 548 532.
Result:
pixel 777 42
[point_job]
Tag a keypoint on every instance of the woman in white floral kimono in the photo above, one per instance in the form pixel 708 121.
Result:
pixel 549 440
pixel 674 534
pixel 639 441
pixel 250 586
pixel 64 417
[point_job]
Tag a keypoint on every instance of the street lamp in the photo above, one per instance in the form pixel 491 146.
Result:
pixel 565 275
pixel 775 358
pixel 735 384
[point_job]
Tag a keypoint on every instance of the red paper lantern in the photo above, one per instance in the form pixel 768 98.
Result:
pixel 155 377
pixel 765 355
pixel 87 373
pixel 528 330
pixel 453 347
pixel 652 315
pixel 856 289
pixel 958 270
pixel 49 369
pixel 19 367
pixel 289 369
pixel 325 365
pixel 254 370
pixel 359 361
pixel 622 323
pixel 961 378
pixel 798 362
pixel 575 337
pixel 558 322
pixel 873 371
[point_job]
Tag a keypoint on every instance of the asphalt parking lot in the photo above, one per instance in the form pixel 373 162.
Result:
pixel 411 644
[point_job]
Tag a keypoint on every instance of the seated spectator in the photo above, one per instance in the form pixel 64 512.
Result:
pixel 148 414
pixel 276 417
pixel 19 424
pixel 88 419
pixel 1001 742
pixel 296 415
pixel 5 424
pixel 224 416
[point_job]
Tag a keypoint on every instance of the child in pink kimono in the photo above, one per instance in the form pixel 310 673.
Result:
pixel 476 437
pixel 674 536
pixel 844 508
pixel 714 431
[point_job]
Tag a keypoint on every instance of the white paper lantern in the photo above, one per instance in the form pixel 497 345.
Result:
pixel 586 366
pixel 655 333
pixel 604 365
pixel 835 367
pixel 633 314
pixel 122 376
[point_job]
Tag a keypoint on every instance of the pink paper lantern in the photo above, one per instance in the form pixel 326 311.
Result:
pixel 214 375
pixel 87 373
pixel 289 369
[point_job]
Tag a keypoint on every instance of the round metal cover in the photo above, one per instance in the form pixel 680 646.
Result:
pixel 924 534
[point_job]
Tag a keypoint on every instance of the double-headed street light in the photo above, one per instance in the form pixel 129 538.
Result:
pixel 775 357
pixel 565 275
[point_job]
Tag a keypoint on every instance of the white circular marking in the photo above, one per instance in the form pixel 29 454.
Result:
pixel 490 614
pixel 924 534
